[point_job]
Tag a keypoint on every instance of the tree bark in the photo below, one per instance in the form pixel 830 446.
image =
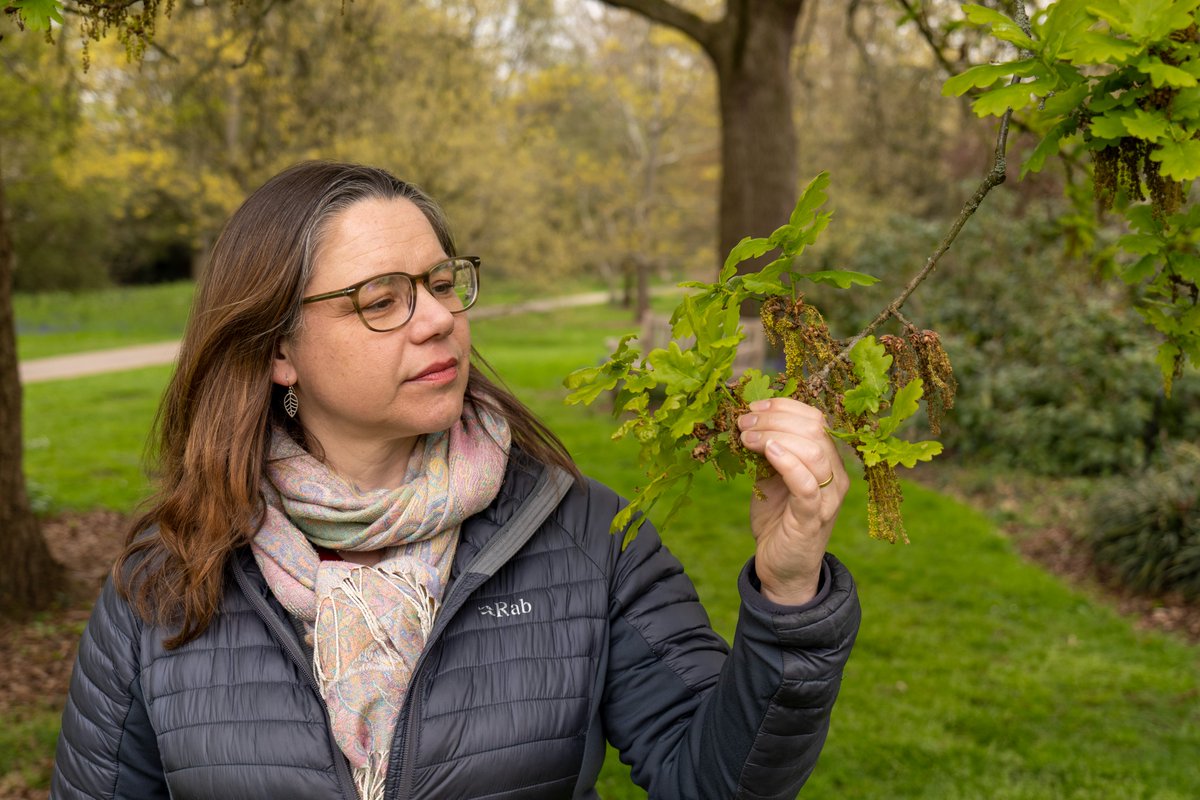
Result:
pixel 29 576
pixel 759 172
pixel 751 49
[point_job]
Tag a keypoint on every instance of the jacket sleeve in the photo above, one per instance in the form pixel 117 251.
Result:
pixel 107 747
pixel 697 720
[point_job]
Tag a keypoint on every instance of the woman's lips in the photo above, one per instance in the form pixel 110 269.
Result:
pixel 441 372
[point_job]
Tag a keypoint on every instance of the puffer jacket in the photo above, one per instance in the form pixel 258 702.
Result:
pixel 550 641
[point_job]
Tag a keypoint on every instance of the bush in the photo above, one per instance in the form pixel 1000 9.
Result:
pixel 1147 530
pixel 1056 372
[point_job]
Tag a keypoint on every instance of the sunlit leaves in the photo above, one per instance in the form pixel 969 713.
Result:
pixel 1180 160
pixel 37 15
pixel 871 365
pixel 841 278
pixel 681 402
pixel 1122 77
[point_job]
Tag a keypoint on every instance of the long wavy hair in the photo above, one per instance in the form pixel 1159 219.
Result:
pixel 210 439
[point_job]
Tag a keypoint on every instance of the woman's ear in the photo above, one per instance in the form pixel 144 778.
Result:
pixel 282 371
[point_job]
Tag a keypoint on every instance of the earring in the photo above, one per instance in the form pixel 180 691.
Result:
pixel 291 403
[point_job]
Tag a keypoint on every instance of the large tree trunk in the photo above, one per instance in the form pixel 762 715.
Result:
pixel 751 50
pixel 758 137
pixel 29 577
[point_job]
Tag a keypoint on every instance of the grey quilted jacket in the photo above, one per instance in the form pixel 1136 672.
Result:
pixel 550 641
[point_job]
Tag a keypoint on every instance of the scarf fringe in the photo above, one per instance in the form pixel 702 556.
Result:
pixel 370 778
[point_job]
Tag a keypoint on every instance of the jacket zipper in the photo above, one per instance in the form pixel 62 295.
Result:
pixel 398 782
pixel 547 492
pixel 286 640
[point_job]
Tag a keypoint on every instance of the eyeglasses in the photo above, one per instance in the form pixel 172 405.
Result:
pixel 386 302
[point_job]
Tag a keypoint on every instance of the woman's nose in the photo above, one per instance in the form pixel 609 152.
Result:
pixel 430 317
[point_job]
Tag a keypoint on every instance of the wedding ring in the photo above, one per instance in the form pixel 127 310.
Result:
pixel 825 482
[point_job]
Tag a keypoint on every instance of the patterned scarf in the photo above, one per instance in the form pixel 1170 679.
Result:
pixel 368 625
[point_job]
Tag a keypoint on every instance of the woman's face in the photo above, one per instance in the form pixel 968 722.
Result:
pixel 357 386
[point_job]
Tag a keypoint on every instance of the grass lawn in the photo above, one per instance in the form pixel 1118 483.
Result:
pixel 57 323
pixel 976 675
pixel 54 323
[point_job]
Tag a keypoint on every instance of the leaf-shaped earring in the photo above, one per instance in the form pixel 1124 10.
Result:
pixel 291 403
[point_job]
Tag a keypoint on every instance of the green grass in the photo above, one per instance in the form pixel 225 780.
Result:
pixel 55 323
pixel 84 439
pixel 976 675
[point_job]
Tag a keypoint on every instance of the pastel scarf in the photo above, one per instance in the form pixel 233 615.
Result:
pixel 368 625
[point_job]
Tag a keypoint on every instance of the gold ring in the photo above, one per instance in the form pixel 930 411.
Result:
pixel 825 482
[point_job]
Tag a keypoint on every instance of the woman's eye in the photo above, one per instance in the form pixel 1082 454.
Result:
pixel 442 287
pixel 381 304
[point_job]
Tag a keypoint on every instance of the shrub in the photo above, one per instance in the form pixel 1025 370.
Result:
pixel 1056 372
pixel 1147 530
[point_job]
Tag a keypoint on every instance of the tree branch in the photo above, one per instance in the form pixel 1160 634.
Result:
pixel 928 35
pixel 995 176
pixel 666 13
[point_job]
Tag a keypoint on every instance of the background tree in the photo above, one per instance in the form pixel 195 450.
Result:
pixel 750 46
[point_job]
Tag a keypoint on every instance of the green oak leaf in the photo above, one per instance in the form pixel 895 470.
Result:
pixel 900 452
pixel 37 15
pixel 1093 47
pixel 996 101
pixel 758 387
pixel 1002 27
pixel 1146 125
pixel 871 363
pixel 675 368
pixel 1180 160
pixel 588 384
pixel 984 75
pixel 812 198
pixel 1168 359
pixel 841 278
pixel 904 405
pixel 1165 74
pixel 1048 146
pixel 1110 125
pixel 744 250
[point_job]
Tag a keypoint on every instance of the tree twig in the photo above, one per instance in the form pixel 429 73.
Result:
pixel 994 177
pixel 928 35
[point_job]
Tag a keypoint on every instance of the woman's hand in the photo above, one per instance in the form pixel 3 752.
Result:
pixel 792 523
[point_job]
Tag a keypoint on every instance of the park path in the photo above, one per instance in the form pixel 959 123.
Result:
pixel 76 365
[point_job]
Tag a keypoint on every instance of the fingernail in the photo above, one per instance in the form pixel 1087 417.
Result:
pixel 747 421
pixel 750 437
pixel 760 405
pixel 773 448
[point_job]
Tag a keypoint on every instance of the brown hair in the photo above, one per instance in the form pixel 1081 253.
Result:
pixel 210 435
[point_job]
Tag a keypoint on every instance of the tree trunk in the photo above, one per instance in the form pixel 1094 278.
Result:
pixel 751 49
pixel 759 174
pixel 29 577
pixel 642 264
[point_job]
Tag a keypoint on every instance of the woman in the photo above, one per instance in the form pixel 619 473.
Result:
pixel 370 572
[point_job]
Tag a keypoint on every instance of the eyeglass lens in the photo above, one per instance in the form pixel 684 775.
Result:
pixel 388 301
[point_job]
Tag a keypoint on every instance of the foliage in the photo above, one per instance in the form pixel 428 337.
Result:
pixel 1147 529
pixel 1057 374
pixel 1122 76
pixel 62 234
pixel 696 421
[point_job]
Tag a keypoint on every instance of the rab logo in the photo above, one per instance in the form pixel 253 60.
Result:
pixel 501 608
